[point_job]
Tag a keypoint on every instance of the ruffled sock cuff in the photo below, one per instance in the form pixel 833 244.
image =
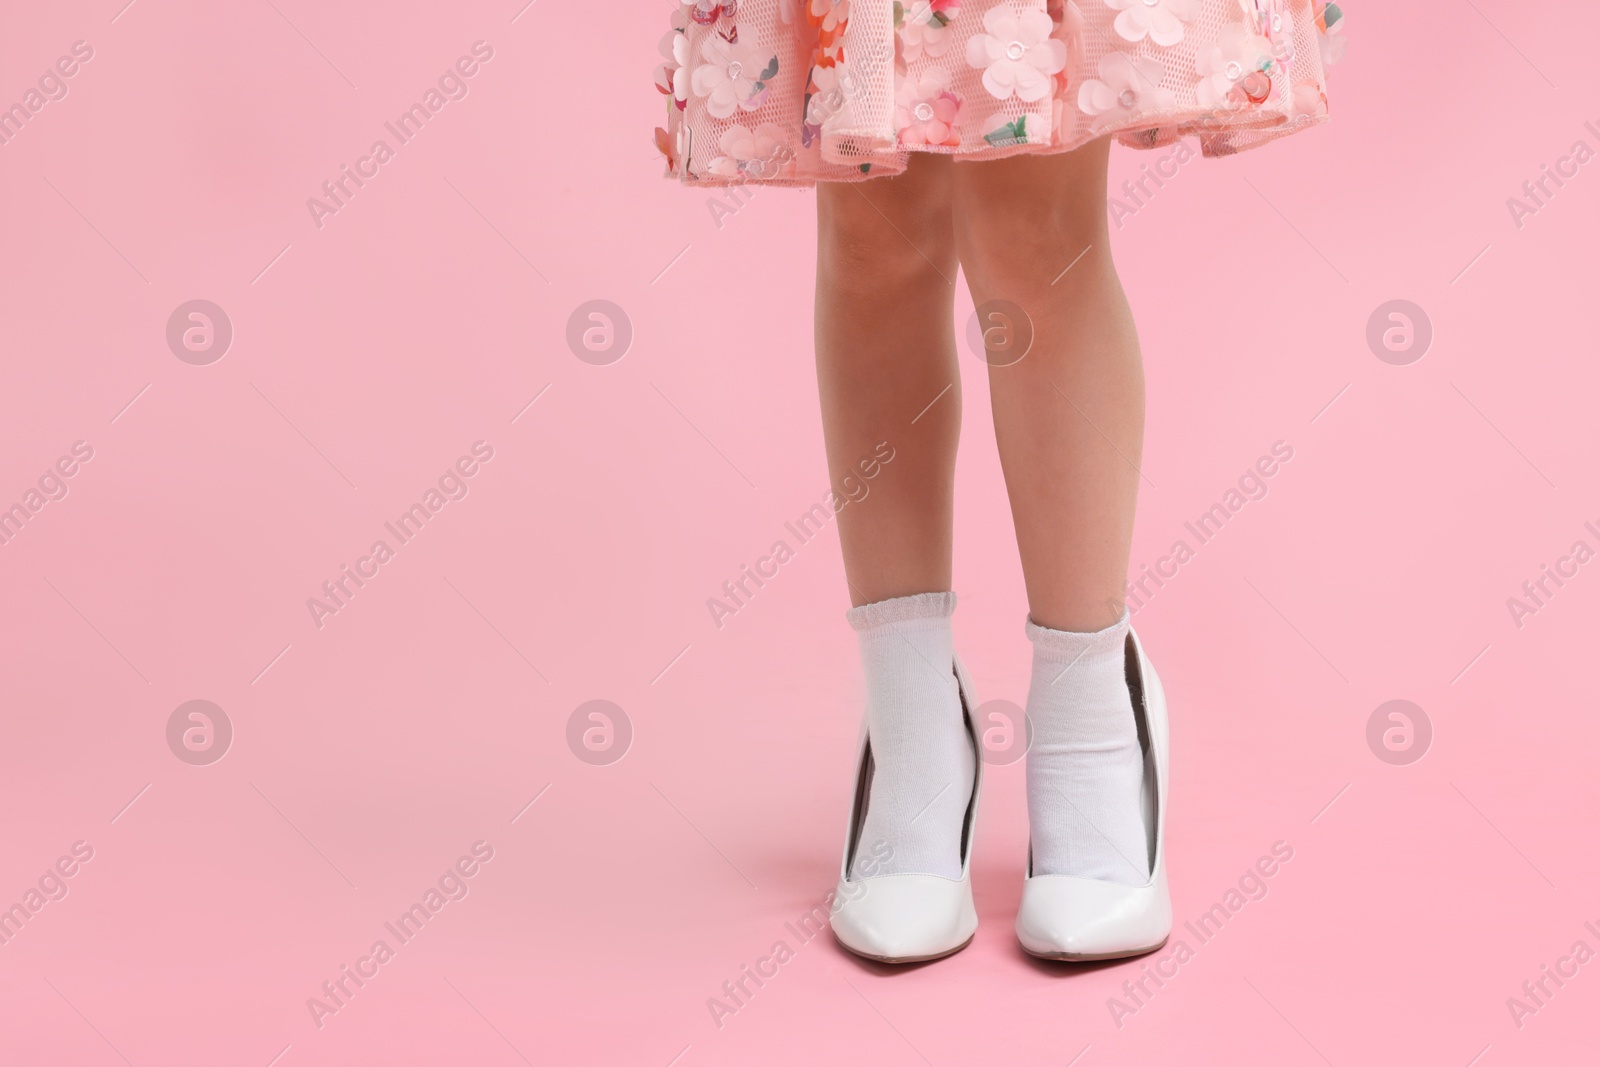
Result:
pixel 1067 643
pixel 902 609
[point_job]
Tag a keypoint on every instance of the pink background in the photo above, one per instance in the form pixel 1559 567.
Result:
pixel 370 753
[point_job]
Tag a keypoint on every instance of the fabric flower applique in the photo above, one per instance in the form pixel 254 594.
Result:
pixel 1330 38
pixel 924 27
pixel 1160 20
pixel 1027 128
pixel 1235 70
pixel 825 98
pixel 1309 99
pixel 926 112
pixel 1068 18
pixel 673 144
pixel 1125 88
pixel 706 12
pixel 1018 55
pixel 1065 120
pixel 759 154
pixel 1273 21
pixel 672 76
pixel 733 74
pixel 829 16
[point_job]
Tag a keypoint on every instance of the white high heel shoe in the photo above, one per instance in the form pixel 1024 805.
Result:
pixel 1067 918
pixel 908 918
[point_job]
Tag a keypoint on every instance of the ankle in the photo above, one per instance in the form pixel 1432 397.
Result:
pixel 922 758
pixel 1085 766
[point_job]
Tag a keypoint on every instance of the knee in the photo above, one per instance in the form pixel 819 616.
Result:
pixel 880 245
pixel 1016 249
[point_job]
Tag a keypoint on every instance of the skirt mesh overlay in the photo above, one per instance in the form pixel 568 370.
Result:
pixel 791 92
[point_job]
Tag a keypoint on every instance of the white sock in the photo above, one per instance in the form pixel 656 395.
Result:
pixel 1085 766
pixel 923 763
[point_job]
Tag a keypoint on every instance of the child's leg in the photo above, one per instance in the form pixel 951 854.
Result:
pixel 886 266
pixel 886 269
pixel 1069 418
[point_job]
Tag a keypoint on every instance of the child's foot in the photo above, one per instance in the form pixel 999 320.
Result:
pixel 1093 892
pixel 1085 765
pixel 905 890
pixel 922 759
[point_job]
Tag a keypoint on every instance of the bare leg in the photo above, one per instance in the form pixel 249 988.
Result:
pixel 886 267
pixel 1069 418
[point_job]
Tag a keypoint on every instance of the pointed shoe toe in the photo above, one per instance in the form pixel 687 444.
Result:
pixel 1064 918
pixel 905 918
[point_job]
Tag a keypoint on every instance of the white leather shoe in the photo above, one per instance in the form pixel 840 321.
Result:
pixel 1067 918
pixel 908 918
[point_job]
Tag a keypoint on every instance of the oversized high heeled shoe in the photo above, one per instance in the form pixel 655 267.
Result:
pixel 908 918
pixel 1067 918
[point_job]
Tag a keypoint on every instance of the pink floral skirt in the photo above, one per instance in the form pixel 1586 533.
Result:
pixel 792 92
